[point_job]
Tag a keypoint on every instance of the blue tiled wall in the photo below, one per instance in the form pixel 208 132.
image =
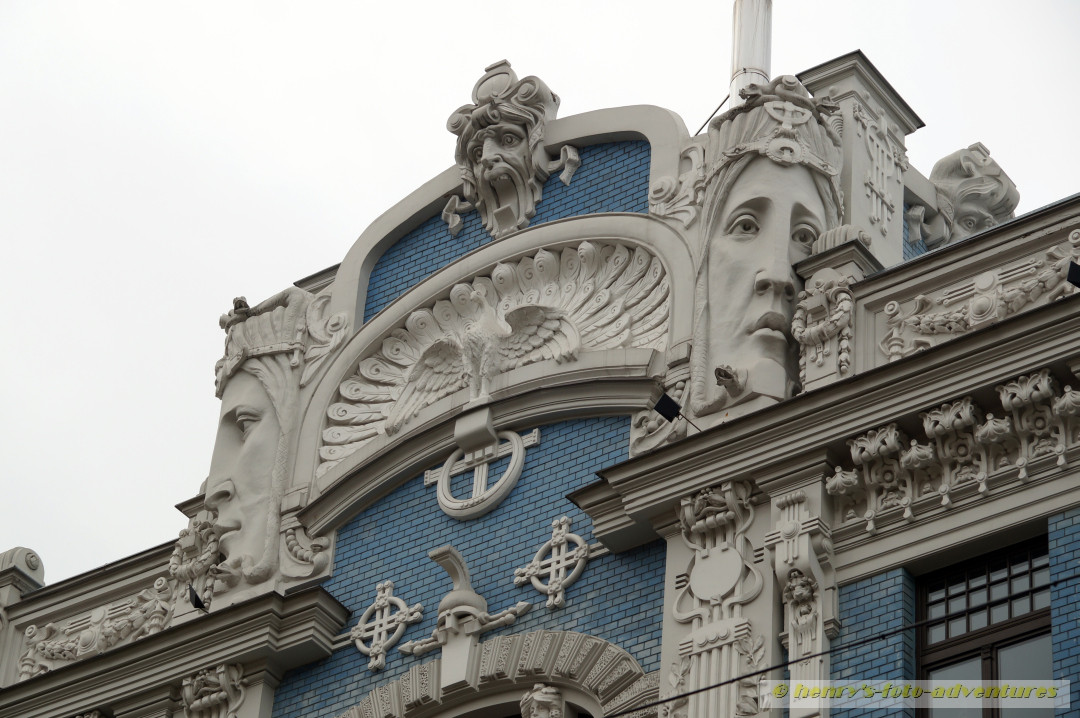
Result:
pixel 618 597
pixel 613 177
pixel 868 608
pixel 911 250
pixel 1065 603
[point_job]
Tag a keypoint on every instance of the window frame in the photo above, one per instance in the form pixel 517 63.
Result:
pixel 984 642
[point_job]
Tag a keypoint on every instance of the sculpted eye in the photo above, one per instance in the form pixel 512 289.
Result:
pixel 477 153
pixel 804 235
pixel 968 222
pixel 509 140
pixel 246 421
pixel 744 224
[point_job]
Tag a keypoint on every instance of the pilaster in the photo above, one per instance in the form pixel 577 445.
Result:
pixel 873 122
pixel 799 547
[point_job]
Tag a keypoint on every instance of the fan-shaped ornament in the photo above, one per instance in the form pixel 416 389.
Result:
pixel 547 306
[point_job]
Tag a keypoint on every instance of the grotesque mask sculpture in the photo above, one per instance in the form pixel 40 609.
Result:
pixel 500 150
pixel 973 194
pixel 773 168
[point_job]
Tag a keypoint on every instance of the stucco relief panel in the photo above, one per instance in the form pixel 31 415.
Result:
pixel 911 325
pixel 551 305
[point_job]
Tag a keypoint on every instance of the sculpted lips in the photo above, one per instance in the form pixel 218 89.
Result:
pixel 500 171
pixel 774 321
pixel 224 530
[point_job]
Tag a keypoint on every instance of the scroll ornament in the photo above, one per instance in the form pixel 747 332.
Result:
pixel 213 692
pixel 680 199
pixel 984 300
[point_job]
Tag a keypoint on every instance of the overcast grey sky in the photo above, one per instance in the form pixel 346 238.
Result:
pixel 158 159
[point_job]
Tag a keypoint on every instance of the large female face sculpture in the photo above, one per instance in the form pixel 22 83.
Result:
pixel 772 188
pixel 240 485
pixel 767 222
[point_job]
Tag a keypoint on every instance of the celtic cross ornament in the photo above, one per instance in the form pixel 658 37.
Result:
pixel 382 624
pixel 561 568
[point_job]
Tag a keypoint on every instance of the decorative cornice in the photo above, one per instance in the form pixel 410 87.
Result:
pixel 852 252
pixel 277 632
pixel 819 78
pixel 811 423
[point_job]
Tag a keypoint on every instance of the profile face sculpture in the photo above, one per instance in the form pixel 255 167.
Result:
pixel 241 474
pixel 258 383
pixel 773 189
pixel 500 150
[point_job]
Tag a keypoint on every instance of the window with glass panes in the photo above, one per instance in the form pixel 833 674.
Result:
pixel 988 619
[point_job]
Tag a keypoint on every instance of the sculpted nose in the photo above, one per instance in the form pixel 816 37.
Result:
pixel 491 152
pixel 775 275
pixel 772 283
pixel 218 493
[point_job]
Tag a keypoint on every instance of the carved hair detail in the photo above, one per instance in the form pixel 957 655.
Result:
pixel 504 181
pixel 970 176
pixel 499 96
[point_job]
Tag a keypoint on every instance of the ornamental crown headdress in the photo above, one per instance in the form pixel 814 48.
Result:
pixel 499 96
pixel 276 326
pixel 783 122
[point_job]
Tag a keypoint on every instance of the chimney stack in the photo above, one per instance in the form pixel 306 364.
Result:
pixel 751 47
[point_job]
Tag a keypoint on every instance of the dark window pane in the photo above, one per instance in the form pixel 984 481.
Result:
pixel 999 613
pixel 978 598
pixel 977 620
pixel 998 591
pixel 1021 605
pixel 936 634
pixel 957 627
pixel 937 591
pixel 1021 583
pixel 1028 660
pixel 1041 577
pixel 966 671
pixel 977 580
pixel 1043 559
pixel 957 604
pixel 957 585
pixel 1041 599
pixel 936 610
pixel 1020 563
pixel 998 570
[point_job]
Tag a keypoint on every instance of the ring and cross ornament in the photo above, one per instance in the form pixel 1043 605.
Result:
pixel 484 497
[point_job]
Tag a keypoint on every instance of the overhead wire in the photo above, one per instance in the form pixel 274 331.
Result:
pixel 726 98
